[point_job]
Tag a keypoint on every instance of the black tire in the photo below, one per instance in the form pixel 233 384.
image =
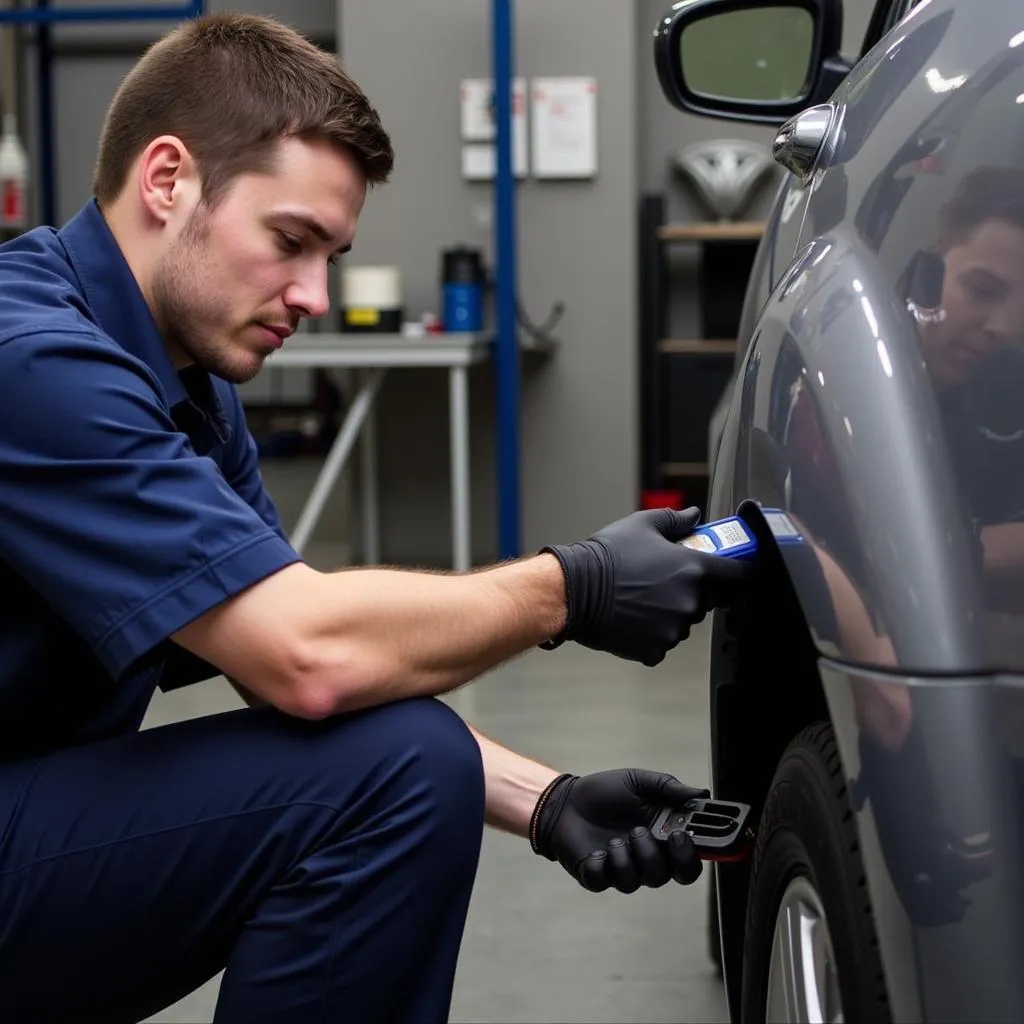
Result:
pixel 807 830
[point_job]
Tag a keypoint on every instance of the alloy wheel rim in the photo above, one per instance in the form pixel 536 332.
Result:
pixel 803 982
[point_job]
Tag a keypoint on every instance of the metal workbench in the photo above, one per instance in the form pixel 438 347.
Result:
pixel 375 354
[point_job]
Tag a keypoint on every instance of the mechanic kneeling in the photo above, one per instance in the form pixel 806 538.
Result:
pixel 322 846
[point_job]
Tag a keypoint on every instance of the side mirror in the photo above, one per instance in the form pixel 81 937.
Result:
pixel 750 60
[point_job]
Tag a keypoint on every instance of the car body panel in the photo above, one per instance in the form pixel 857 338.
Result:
pixel 882 407
pixel 837 415
pixel 939 819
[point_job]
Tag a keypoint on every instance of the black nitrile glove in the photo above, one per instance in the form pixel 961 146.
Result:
pixel 598 828
pixel 634 591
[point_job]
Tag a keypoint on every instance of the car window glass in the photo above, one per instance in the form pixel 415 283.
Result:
pixel 885 17
pixel 899 11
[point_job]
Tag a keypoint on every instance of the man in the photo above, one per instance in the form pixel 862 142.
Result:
pixel 321 847
pixel 972 349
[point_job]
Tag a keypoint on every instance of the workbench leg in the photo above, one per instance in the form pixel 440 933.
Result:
pixel 371 507
pixel 458 407
pixel 335 461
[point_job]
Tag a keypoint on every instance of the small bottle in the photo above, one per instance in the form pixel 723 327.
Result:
pixel 462 289
pixel 13 180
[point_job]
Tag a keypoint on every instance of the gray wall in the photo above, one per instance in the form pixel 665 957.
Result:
pixel 576 244
pixel 577 241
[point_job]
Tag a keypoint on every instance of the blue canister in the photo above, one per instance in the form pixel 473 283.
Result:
pixel 462 289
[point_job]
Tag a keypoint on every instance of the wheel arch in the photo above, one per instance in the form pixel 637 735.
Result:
pixel 765 689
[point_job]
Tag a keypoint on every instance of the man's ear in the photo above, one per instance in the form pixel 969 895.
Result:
pixel 168 179
pixel 921 284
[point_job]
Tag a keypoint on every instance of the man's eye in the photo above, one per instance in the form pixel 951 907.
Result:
pixel 983 292
pixel 985 288
pixel 289 243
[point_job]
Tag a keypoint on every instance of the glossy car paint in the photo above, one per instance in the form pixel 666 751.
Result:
pixel 836 343
pixel 940 837
pixel 850 411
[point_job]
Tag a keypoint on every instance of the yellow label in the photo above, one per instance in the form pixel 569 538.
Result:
pixel 362 317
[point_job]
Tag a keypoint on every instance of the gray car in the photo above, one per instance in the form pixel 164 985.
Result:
pixel 868 699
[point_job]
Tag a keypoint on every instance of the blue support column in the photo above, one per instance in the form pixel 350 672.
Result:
pixel 43 14
pixel 44 99
pixel 507 343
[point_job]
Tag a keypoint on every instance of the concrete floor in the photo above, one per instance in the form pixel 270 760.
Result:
pixel 538 947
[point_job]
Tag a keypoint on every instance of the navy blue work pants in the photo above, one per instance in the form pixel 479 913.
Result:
pixel 326 865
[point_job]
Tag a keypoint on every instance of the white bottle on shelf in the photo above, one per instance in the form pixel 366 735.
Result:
pixel 13 179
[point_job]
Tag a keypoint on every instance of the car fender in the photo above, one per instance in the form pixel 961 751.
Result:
pixel 835 421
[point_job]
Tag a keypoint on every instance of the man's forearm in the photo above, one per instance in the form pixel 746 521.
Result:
pixel 514 784
pixel 410 634
pixel 315 644
pixel 1003 546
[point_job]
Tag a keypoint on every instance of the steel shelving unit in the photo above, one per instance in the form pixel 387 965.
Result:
pixel 681 379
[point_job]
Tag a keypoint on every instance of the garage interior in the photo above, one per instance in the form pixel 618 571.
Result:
pixel 598 251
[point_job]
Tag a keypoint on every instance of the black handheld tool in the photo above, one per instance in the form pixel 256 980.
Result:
pixel 718 828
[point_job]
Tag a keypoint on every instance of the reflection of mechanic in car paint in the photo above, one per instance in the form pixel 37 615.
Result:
pixel 971 350
pixel 970 347
pixel 981 240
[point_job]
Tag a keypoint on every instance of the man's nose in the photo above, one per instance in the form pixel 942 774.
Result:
pixel 1005 321
pixel 308 293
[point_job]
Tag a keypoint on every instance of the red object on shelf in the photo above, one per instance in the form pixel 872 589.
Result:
pixel 669 498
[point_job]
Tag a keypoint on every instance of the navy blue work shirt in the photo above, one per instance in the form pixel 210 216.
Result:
pixel 131 496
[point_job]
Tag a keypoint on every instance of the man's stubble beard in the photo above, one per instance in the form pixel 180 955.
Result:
pixel 186 316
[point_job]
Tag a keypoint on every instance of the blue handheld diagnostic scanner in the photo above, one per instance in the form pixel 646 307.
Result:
pixel 730 537
pixel 733 538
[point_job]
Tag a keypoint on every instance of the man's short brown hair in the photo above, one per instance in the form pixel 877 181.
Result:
pixel 987 193
pixel 230 86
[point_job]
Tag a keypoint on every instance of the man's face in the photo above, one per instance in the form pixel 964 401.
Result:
pixel 239 278
pixel 983 299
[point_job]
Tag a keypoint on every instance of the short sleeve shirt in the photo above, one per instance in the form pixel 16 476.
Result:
pixel 131 496
pixel 985 427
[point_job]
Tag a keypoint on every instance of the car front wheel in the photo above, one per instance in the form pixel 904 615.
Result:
pixel 810 951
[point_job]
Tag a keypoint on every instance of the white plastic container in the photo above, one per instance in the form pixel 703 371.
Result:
pixel 371 299
pixel 13 179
